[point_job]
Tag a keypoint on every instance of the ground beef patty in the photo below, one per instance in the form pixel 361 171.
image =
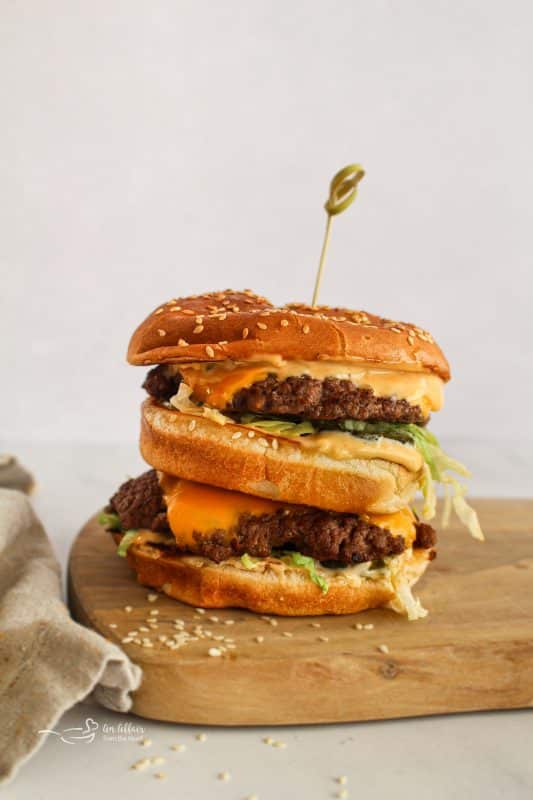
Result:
pixel 161 383
pixel 328 399
pixel 328 536
pixel 301 396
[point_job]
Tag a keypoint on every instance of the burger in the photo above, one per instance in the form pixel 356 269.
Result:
pixel 286 446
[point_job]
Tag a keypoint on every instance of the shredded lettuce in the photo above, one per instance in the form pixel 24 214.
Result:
pixel 126 541
pixel 248 562
pixel 282 427
pixel 109 521
pixel 309 564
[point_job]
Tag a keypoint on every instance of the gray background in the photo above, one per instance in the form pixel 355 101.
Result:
pixel 156 149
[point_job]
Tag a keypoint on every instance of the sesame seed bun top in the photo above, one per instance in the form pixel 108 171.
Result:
pixel 243 326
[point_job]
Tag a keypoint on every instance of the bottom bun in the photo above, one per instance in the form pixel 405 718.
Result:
pixel 272 586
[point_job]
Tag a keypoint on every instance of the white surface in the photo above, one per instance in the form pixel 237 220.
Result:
pixel 148 150
pixel 468 756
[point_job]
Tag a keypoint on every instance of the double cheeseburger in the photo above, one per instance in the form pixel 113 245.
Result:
pixel 286 445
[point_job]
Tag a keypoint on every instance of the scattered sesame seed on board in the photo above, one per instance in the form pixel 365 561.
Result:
pixel 383 648
pixel 157 760
pixel 153 611
pixel 178 748
pixel 315 624
pixel 127 640
pixel 368 627
pixel 280 745
pixel 145 742
pixel 259 639
pixel 214 652
pixel 343 793
pixel 224 776
pixel 201 737
pixel 268 740
pixel 287 634
pixel 152 597
pixel 342 779
pixel 160 776
pixel 323 639
pixel 200 610
pixel 128 609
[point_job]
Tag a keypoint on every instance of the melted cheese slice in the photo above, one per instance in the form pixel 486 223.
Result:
pixel 217 383
pixel 195 508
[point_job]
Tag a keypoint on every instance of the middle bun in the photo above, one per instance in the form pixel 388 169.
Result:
pixel 198 449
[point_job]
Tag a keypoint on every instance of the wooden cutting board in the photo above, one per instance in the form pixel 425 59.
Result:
pixel 473 652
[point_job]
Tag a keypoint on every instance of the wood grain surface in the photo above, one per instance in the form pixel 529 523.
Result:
pixel 474 651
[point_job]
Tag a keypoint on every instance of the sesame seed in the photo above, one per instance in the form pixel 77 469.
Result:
pixel 261 326
pixel 275 444
pixel 305 328
pixel 128 609
pixel 145 742
pixel 161 332
pixel 142 763
pixel 357 626
pixel 200 610
pixel 158 760
pixel 237 435
pixel 153 611
pixel 263 442
pixel 383 648
pixel 144 629
pixel 229 622
pixel 214 651
pixel 268 740
pixel 251 434
pixel 368 627
pixel 159 311
pixel 127 640
pixel 183 343
pixel 284 323
pixel 199 319
pixel 179 748
pixel 147 643
pixel 287 634
pixel 192 425
pixel 273 622
pixel 160 776
pixel 112 625
pixel 343 793
pixel 245 332
pixel 188 312
pixel 198 329
pixel 213 619
pixel 342 779
pixel 152 597
pixel 279 744
pixel 224 776
pixel 176 308
pixel 210 352
pixel 201 737
pixel 323 639
pixel 315 624
pixel 259 639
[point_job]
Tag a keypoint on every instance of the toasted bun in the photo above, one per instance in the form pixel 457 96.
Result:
pixel 242 326
pixel 200 450
pixel 272 587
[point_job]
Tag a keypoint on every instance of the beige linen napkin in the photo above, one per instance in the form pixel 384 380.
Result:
pixel 47 661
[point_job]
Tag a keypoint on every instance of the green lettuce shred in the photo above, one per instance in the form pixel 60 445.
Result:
pixel 309 564
pixel 126 541
pixel 109 521
pixel 247 561
pixel 281 427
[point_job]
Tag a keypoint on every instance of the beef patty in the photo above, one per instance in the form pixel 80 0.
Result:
pixel 328 536
pixel 301 396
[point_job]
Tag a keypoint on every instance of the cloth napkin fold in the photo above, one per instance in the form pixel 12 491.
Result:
pixel 48 661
